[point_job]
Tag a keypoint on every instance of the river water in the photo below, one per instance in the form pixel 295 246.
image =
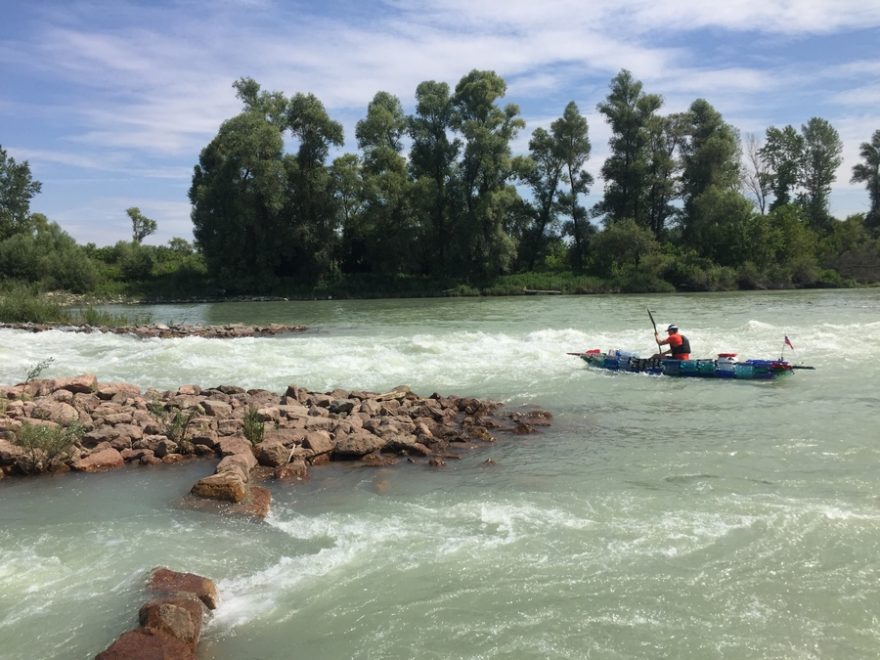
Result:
pixel 656 518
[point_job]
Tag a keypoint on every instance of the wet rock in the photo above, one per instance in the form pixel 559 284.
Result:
pixel 179 616
pixel 147 644
pixel 98 461
pixel 296 470
pixel 358 444
pixel 225 486
pixel 272 453
pixel 164 581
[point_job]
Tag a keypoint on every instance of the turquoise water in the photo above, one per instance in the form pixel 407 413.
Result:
pixel 657 518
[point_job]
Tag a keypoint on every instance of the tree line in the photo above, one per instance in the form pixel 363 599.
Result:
pixel 438 198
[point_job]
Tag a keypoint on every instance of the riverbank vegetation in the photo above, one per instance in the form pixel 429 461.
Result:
pixel 437 203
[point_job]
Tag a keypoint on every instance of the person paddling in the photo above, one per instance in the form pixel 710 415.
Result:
pixel 679 346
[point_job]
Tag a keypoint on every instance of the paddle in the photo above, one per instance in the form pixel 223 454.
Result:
pixel 659 350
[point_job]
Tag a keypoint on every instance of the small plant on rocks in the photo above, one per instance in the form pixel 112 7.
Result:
pixel 38 368
pixel 44 443
pixel 253 426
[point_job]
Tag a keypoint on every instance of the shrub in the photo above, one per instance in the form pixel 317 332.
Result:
pixel 45 443
pixel 253 426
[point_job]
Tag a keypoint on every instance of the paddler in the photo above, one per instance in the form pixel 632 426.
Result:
pixel 679 346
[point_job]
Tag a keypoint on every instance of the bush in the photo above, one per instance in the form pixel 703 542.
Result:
pixel 253 426
pixel 44 444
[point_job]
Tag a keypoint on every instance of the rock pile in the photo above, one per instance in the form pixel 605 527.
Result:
pixel 170 623
pixel 111 424
pixel 163 331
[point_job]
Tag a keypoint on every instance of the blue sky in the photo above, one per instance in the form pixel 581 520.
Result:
pixel 111 101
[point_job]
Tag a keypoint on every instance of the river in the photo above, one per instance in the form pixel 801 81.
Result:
pixel 656 518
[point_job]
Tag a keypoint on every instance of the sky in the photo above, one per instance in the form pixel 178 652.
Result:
pixel 110 102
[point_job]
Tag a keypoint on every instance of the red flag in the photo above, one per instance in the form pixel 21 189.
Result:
pixel 788 342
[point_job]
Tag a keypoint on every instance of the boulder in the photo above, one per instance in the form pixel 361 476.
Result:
pixel 98 461
pixel 358 444
pixel 296 470
pixel 59 412
pixel 164 581
pixel 110 391
pixel 227 486
pixel 272 453
pixel 85 384
pixel 180 617
pixel 147 644
pixel 319 442
pixel 9 452
pixel 234 445
pixel 218 409
pixel 242 464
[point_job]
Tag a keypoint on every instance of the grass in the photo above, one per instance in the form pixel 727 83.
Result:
pixel 253 426
pixel 22 303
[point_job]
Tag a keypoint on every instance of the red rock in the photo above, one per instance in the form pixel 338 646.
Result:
pixel 358 444
pixel 226 486
pixel 180 617
pixel 86 383
pixel 319 442
pixel 256 504
pixel 241 464
pixel 147 644
pixel 165 581
pixel 296 470
pixel 103 459
pixel 234 445
pixel 272 453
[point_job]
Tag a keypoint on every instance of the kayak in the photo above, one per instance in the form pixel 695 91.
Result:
pixel 725 366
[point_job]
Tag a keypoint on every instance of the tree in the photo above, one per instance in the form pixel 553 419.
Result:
pixel 387 230
pixel 141 225
pixel 571 133
pixel 310 228
pixel 868 173
pixel 665 138
pixel 484 196
pixel 756 176
pixel 710 164
pixel 432 158
pixel 822 157
pixel 17 188
pixel 628 111
pixel 783 155
pixel 238 191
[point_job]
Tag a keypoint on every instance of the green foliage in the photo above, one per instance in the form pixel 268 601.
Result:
pixel 35 371
pixel 141 225
pixel 44 444
pixel 253 426
pixel 17 188
pixel 23 303
pixel 868 172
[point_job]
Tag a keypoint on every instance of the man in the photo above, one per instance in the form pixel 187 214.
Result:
pixel 679 346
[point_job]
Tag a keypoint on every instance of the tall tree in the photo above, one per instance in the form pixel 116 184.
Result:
pixel 756 176
pixel 868 172
pixel 485 195
pixel 387 222
pixel 665 137
pixel 822 157
pixel 783 154
pixel 310 230
pixel 571 133
pixel 710 163
pixel 432 157
pixel 17 188
pixel 628 111
pixel 238 191
pixel 141 225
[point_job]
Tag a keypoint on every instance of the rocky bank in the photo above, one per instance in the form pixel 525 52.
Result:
pixel 163 331
pixel 89 426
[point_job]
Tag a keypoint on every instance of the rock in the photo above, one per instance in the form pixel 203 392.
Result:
pixel 164 581
pixel 218 409
pixel 86 384
pixel 10 453
pixel 61 413
pixel 358 444
pixel 147 644
pixel 227 486
pixel 286 436
pixel 272 454
pixel 343 406
pixel 319 442
pixel 255 505
pixel 189 390
pixel 239 463
pixel 234 445
pixel 180 617
pixel 98 461
pixel 296 470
